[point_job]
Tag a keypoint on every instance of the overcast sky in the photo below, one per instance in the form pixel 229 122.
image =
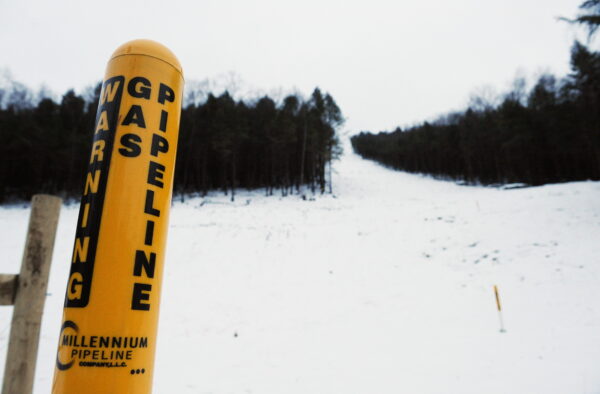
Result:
pixel 386 63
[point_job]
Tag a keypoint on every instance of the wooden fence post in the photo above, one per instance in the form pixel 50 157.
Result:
pixel 29 292
pixel 8 288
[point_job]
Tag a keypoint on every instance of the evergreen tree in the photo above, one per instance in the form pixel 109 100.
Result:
pixel 551 134
pixel 223 144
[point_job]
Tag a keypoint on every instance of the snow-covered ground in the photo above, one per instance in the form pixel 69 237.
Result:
pixel 386 287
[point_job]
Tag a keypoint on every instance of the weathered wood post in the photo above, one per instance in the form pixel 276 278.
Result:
pixel 28 293
pixel 8 288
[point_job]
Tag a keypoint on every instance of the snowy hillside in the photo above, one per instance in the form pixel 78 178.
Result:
pixel 385 288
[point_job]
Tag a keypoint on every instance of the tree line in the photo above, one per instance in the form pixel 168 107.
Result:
pixel 224 143
pixel 549 134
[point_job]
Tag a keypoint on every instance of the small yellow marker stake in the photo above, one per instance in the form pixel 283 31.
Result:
pixel 108 333
pixel 499 308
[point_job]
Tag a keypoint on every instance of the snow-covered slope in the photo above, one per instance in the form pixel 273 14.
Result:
pixel 386 287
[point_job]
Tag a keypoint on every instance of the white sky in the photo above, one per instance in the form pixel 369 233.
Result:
pixel 386 63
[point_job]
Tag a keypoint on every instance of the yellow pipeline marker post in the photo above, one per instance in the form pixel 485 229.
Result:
pixel 499 306
pixel 108 334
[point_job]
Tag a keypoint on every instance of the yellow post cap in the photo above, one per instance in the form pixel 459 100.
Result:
pixel 148 48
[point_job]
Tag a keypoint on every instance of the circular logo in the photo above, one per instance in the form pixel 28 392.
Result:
pixel 64 360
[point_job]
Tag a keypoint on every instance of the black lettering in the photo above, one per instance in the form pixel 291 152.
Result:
pixel 135 115
pixel 156 172
pixel 144 342
pixel 135 90
pixel 159 144
pixel 149 209
pixel 165 93
pixel 141 292
pixel 131 147
pixel 142 262
pixel 164 115
pixel 149 233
